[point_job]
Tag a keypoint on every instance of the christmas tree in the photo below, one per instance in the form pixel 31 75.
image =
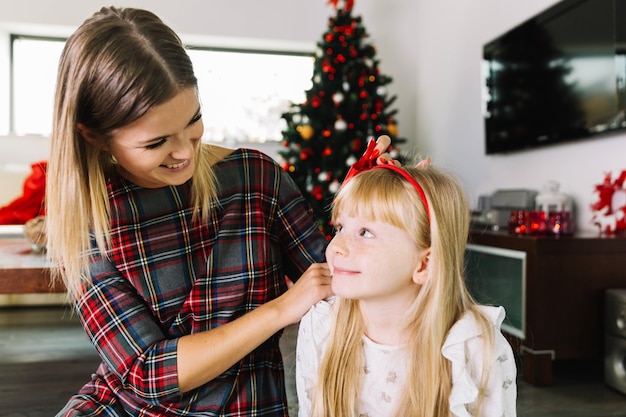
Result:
pixel 347 106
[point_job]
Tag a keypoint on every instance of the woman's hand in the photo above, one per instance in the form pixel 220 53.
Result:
pixel 382 143
pixel 380 151
pixel 313 286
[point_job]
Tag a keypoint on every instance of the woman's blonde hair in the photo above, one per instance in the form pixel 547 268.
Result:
pixel 115 67
pixel 384 195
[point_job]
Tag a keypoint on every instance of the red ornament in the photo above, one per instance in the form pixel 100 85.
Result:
pixel 340 59
pixel 326 133
pixel 327 152
pixel 317 192
pixel 329 37
pixel 315 101
pixel 378 105
pixel 326 66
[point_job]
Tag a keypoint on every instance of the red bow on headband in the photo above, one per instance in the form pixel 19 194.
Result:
pixel 366 162
pixel 369 161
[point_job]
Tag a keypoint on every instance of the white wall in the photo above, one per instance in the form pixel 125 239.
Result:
pixel 448 115
pixel 272 19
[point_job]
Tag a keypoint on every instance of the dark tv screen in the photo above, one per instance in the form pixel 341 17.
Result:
pixel 558 77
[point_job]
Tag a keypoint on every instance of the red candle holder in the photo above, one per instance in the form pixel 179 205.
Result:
pixel 560 223
pixel 536 224
pixel 517 222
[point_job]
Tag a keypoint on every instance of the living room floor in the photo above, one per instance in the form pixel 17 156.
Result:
pixel 45 358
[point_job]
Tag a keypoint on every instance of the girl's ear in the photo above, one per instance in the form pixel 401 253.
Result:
pixel 421 270
pixel 85 133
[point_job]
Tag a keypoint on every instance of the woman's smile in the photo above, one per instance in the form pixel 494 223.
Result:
pixel 178 165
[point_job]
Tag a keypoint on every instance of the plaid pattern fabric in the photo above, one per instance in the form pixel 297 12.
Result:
pixel 167 277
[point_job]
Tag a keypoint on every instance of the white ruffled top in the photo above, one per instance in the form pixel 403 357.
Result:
pixel 384 373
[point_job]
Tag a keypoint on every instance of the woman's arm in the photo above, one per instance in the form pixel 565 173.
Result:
pixel 204 356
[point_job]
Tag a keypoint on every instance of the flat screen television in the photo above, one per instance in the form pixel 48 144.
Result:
pixel 557 77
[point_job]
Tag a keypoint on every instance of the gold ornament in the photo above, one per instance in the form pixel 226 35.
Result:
pixel 393 129
pixel 305 131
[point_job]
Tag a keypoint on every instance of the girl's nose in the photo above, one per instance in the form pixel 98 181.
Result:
pixel 338 245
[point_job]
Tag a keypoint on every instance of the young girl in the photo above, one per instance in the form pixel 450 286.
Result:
pixel 174 252
pixel 403 337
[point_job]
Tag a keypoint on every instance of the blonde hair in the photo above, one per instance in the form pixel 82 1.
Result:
pixel 115 67
pixel 384 195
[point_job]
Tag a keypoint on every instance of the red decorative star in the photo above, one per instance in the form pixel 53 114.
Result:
pixel 348 7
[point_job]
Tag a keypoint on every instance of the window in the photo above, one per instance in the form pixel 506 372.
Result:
pixel 243 93
pixel 33 76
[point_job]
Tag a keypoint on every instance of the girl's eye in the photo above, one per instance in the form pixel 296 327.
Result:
pixel 156 144
pixel 338 229
pixel 365 233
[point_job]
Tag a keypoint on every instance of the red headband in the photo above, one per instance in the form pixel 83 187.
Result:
pixel 368 161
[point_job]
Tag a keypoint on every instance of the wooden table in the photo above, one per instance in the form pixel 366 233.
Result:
pixel 23 270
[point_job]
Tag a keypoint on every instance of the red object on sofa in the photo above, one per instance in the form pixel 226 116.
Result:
pixel 31 203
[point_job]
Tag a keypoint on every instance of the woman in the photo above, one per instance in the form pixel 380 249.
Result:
pixel 174 252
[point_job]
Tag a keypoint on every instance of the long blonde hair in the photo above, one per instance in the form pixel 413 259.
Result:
pixel 115 67
pixel 381 194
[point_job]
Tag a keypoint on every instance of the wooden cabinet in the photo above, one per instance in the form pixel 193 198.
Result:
pixel 563 295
